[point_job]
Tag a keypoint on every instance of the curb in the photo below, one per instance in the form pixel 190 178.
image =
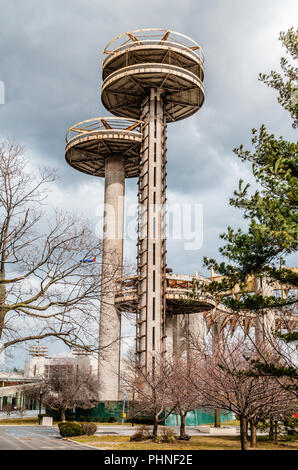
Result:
pixel 82 444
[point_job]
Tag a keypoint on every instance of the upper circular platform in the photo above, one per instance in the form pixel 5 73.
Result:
pixel 89 142
pixel 139 60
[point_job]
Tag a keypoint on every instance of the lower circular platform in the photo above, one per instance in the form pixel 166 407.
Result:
pixel 90 142
pixel 178 300
pixel 123 91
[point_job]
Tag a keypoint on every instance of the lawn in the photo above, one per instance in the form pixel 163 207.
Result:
pixel 196 443
pixel 34 422
pixel 21 421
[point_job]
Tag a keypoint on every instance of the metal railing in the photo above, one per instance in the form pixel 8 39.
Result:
pixel 92 126
pixel 153 36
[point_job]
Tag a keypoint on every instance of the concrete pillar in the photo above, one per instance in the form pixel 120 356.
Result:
pixel 110 321
pixel 173 335
pixel 218 336
pixel 265 319
pixel 196 331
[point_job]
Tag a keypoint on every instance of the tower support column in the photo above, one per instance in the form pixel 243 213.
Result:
pixel 112 256
pixel 265 320
pixel 150 333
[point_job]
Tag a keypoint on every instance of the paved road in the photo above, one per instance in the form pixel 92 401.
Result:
pixel 34 438
pixel 46 438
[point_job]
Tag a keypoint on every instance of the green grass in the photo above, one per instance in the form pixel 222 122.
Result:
pixel 196 443
pixel 34 422
pixel 235 422
pixel 28 421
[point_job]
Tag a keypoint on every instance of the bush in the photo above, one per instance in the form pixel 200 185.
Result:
pixel 167 435
pixel 141 420
pixel 89 429
pixel 69 429
pixel 96 420
pixel 186 437
pixel 142 434
pixel 112 419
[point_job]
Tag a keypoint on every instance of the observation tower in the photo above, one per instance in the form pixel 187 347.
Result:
pixel 151 77
pixel 155 75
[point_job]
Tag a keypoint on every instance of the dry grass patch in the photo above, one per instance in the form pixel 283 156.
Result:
pixel 196 443
pixel 28 421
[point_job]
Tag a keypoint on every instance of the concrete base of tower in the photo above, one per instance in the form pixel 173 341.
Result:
pixel 185 333
pixel 110 320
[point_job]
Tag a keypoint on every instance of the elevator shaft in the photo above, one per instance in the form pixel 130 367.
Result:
pixel 150 325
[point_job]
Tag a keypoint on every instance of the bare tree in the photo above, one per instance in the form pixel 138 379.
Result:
pixel 223 382
pixel 150 388
pixel 281 342
pixel 67 388
pixel 45 291
pixel 183 395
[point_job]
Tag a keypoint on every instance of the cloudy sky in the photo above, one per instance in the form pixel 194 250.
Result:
pixel 50 63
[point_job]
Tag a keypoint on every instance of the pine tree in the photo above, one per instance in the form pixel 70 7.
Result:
pixel 271 213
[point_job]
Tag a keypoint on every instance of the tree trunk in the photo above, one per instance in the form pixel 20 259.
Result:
pixel 275 431
pixel 243 432
pixel 271 429
pixel 155 427
pixel 63 416
pixel 182 426
pixel 253 434
pixel 217 418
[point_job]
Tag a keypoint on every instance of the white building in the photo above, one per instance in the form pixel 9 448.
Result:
pixel 39 366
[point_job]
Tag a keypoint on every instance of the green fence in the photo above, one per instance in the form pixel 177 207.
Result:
pixel 197 417
pixel 112 410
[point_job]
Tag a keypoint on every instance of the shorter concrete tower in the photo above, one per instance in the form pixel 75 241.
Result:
pixel 108 147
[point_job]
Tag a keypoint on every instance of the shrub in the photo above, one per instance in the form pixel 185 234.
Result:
pixel 69 429
pixel 96 420
pixel 112 419
pixel 141 420
pixel 186 437
pixel 142 434
pixel 167 435
pixel 89 429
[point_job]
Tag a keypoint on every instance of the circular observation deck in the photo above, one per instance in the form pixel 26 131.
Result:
pixel 139 60
pixel 178 302
pixel 89 142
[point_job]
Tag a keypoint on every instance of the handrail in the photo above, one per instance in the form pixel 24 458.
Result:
pixel 133 38
pixel 153 65
pixel 89 126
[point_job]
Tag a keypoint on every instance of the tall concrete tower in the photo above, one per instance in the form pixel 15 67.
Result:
pixel 155 75
pixel 150 77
